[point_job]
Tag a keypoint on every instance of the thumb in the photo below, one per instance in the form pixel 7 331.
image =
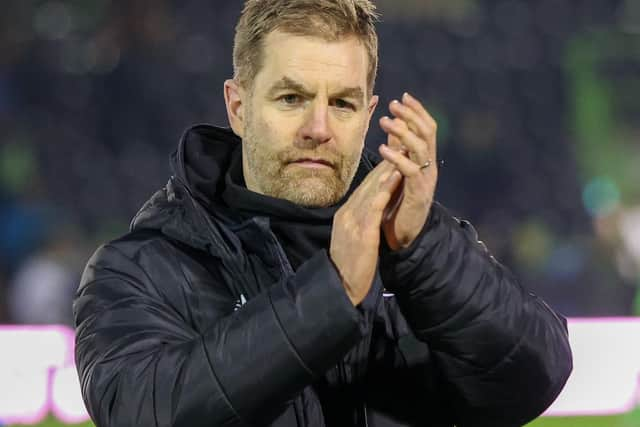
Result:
pixel 386 190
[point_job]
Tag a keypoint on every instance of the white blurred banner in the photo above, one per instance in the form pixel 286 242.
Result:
pixel 36 362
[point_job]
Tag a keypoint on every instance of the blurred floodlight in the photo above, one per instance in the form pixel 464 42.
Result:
pixel 601 196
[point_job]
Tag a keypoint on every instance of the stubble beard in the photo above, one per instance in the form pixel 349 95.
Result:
pixel 274 175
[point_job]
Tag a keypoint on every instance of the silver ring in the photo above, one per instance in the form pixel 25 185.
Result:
pixel 426 164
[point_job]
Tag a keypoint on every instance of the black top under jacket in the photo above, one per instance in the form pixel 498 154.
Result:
pixel 301 231
pixel 197 317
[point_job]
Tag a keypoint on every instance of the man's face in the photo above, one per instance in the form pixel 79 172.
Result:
pixel 306 119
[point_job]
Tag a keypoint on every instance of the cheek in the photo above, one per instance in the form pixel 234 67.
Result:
pixel 351 134
pixel 279 131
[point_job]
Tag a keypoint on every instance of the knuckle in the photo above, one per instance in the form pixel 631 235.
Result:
pixel 430 132
pixel 378 204
pixel 403 133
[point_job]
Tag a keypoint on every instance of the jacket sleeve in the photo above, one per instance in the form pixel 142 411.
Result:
pixel 502 355
pixel 141 363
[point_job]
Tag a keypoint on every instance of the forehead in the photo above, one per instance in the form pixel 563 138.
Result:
pixel 314 60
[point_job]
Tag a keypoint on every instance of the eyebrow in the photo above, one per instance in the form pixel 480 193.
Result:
pixel 351 92
pixel 287 83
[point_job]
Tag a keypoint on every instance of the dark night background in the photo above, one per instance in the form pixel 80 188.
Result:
pixel 536 103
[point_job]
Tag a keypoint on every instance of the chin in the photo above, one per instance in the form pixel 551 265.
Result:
pixel 310 194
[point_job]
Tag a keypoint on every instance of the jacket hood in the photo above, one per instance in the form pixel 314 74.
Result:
pixel 202 160
pixel 185 209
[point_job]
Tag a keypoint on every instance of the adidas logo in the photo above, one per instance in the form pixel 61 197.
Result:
pixel 242 301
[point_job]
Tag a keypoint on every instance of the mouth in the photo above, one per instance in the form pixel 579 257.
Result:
pixel 312 163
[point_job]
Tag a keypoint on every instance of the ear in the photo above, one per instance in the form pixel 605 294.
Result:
pixel 233 98
pixel 371 108
pixel 373 103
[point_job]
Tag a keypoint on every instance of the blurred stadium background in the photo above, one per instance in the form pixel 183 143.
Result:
pixel 537 102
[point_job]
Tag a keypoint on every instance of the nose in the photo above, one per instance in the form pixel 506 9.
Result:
pixel 316 128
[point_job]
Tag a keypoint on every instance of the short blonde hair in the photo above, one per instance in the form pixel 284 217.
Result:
pixel 330 20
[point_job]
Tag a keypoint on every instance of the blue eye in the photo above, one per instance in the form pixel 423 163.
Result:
pixel 290 99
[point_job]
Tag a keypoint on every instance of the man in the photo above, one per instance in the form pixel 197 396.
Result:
pixel 282 278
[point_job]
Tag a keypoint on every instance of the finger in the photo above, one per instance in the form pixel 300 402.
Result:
pixel 417 106
pixel 414 144
pixel 384 194
pixel 418 184
pixel 391 183
pixel 378 174
pixel 394 142
pixel 369 209
pixel 368 187
pixel 428 121
pixel 415 122
pixel 408 168
pixel 377 192
pixel 394 203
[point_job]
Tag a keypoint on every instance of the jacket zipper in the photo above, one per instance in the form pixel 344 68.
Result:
pixel 340 369
pixel 364 415
pixel 283 261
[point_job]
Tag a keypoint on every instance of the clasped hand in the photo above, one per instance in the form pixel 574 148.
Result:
pixel 395 197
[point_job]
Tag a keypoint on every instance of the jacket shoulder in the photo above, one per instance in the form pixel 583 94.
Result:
pixel 129 249
pixel 134 242
pixel 148 262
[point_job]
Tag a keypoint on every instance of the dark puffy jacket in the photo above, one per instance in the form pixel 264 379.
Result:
pixel 195 318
